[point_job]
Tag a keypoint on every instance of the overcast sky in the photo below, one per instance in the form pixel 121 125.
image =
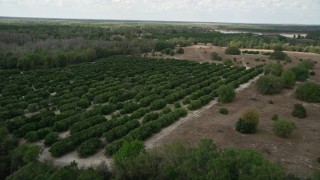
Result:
pixel 241 11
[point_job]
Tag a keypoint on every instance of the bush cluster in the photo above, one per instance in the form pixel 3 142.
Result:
pixel 250 52
pixel 224 111
pixel 269 84
pixel 300 73
pixel 88 147
pixel 248 122
pixel 233 51
pixel 309 92
pixel 226 93
pixel 283 128
pixel 273 68
pixel 51 138
pixel 299 111
pixel 180 51
pixel 216 56
pixel 288 79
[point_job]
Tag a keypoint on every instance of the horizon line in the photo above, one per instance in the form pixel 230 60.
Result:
pixel 167 21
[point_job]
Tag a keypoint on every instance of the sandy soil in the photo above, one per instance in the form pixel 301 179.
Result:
pixel 152 142
pixel 91 161
pixel 201 53
pixel 296 154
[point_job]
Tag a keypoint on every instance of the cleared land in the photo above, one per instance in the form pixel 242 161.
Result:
pixel 297 154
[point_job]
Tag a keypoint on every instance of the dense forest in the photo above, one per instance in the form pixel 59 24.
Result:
pixel 41 44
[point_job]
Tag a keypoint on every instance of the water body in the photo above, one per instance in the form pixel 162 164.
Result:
pixel 292 35
pixel 238 32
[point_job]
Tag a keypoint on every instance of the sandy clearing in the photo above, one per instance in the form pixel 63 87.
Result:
pixel 297 154
pixel 152 142
pixel 91 161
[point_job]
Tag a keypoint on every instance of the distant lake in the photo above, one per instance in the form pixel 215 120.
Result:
pixel 237 32
pixel 288 35
pixel 291 35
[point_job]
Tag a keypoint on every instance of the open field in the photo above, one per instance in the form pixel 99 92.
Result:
pixel 202 53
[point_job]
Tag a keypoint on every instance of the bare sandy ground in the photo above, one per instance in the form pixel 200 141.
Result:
pixel 91 161
pixel 202 53
pixel 152 142
pixel 297 154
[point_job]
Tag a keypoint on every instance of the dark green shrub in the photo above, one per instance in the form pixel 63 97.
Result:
pixel 91 173
pixel 269 84
pixel 226 93
pixel 299 111
pixel 42 133
pixel 108 109
pixel 186 101
pixel 139 113
pixel 180 51
pixel 158 104
pixel 51 138
pixel 233 51
pixel 84 103
pixel 227 62
pixel 129 150
pixel 177 105
pixel 204 161
pixel 275 117
pixel 150 116
pixel 161 45
pixel 165 110
pixel 288 78
pixel 248 123
pixel 32 107
pixel 129 108
pixel 172 53
pixel 113 147
pixel 194 105
pixel 318 160
pixel 309 92
pixel 224 111
pixel 278 55
pixel 283 128
pixel 266 53
pixel 301 73
pixel 307 64
pixel 88 147
pixel 215 56
pixel 168 51
pixel 32 136
pixel 273 68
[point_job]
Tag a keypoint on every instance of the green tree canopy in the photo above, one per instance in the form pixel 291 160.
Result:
pixel 269 84
pixel 273 68
pixel 226 93
pixel 288 78
pixel 129 150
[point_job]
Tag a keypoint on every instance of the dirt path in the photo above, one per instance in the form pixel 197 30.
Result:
pixel 200 54
pixel 91 161
pixel 152 142
pixel 270 50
